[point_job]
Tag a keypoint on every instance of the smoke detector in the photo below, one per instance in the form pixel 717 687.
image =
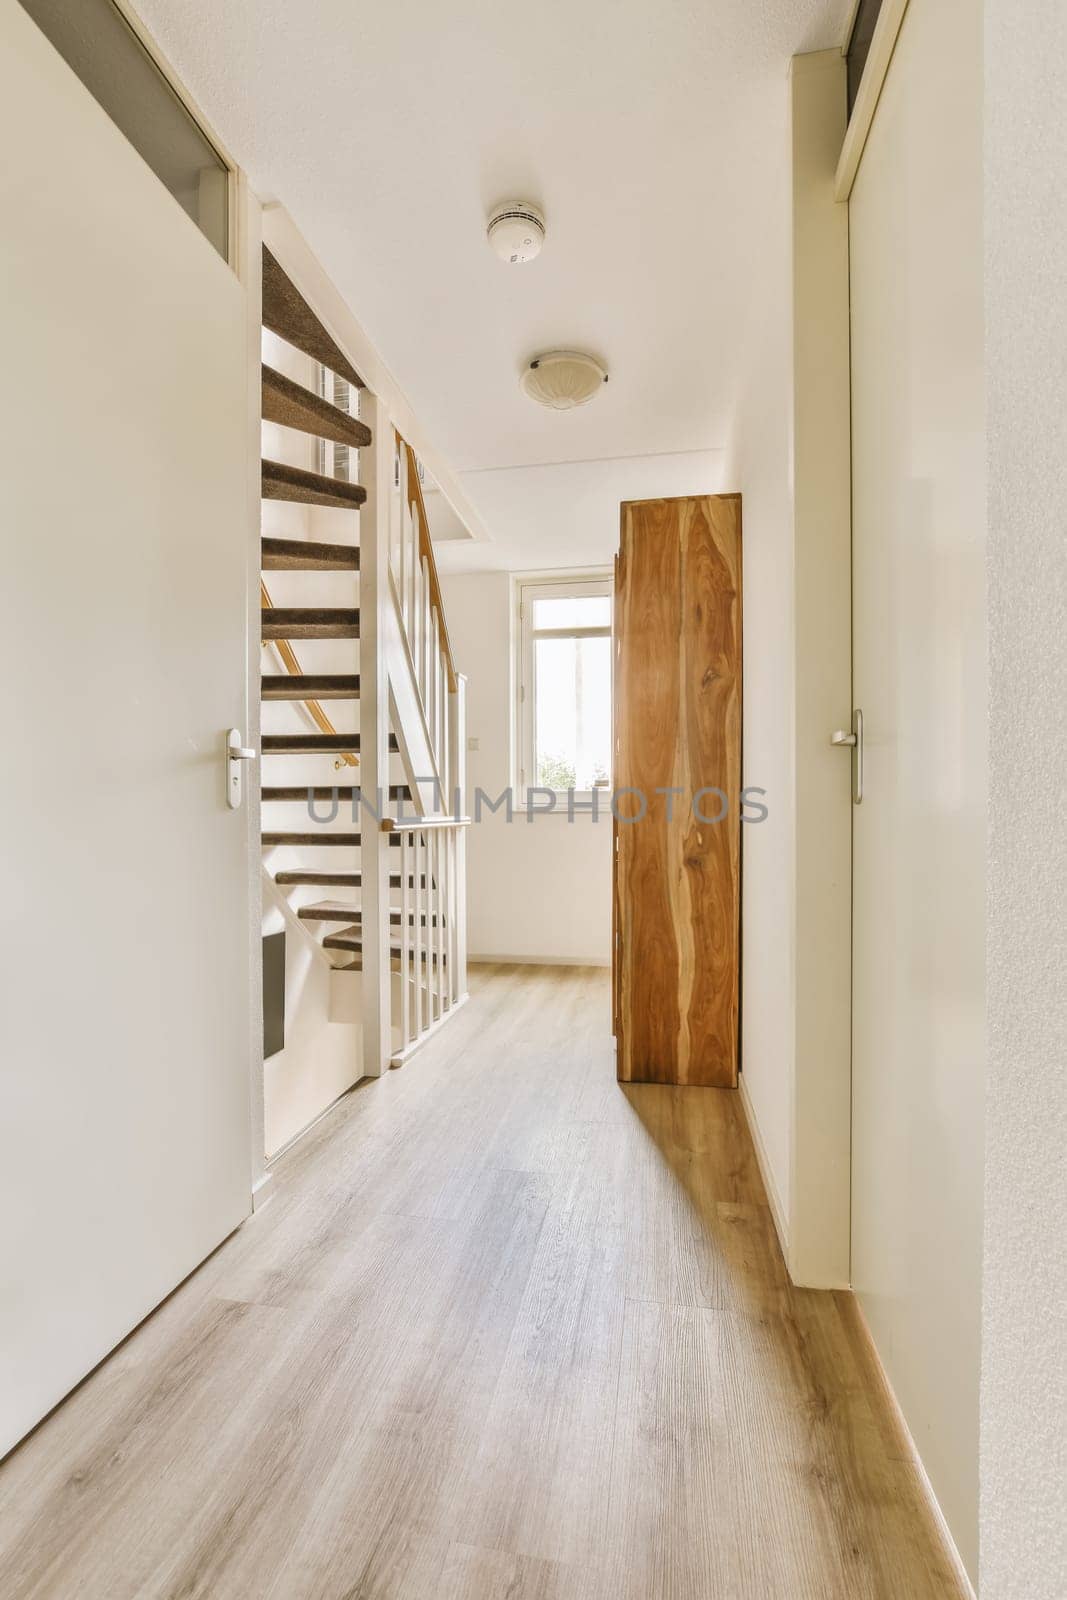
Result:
pixel 516 231
pixel 563 379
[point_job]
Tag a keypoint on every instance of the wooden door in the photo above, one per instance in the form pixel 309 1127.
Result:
pixel 678 777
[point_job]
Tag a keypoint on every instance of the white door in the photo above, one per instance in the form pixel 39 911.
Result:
pixel 124 1025
pixel 919 678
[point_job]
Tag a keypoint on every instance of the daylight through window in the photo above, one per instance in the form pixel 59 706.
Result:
pixel 565 687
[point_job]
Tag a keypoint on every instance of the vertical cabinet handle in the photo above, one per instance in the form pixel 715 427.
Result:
pixel 853 741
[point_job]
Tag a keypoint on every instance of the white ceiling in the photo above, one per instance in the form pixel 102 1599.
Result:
pixel 567 515
pixel 651 132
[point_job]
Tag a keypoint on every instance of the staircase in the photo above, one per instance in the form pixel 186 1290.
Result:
pixel 372 869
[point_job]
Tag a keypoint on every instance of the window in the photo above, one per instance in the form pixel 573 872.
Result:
pixel 100 46
pixel 564 711
pixel 338 460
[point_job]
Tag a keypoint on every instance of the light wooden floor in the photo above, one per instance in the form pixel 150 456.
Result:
pixel 505 1330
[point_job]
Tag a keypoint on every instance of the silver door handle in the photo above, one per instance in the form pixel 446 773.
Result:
pixel 236 752
pixel 853 741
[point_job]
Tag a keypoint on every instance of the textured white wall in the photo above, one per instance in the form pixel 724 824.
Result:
pixel 534 890
pixel 1024 1407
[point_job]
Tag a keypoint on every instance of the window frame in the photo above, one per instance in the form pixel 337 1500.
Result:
pixel 592 583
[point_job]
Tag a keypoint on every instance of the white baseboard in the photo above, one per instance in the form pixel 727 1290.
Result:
pixel 539 961
pixel 951 1551
pixel 262 1190
pixel 774 1198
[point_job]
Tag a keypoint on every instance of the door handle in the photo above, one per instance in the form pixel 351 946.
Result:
pixel 236 752
pixel 853 741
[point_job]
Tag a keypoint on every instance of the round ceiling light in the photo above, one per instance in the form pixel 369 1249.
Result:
pixel 516 231
pixel 563 379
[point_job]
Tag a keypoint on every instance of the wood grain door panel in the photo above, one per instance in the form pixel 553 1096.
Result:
pixel 678 776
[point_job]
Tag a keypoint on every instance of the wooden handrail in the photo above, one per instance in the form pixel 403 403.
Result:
pixel 292 666
pixel 418 505
pixel 420 824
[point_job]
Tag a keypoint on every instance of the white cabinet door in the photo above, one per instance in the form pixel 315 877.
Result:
pixel 919 677
pixel 124 1026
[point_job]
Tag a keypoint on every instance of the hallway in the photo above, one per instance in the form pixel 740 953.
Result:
pixel 505 1329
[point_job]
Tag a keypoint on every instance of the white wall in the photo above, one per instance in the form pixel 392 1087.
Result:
pixel 760 466
pixel 789 457
pixel 1024 1396
pixel 535 890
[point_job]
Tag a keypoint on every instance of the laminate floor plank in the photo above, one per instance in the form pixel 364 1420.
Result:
pixel 507 1331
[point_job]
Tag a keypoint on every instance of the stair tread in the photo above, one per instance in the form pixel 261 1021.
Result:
pixel 282 482
pixel 288 744
pixel 298 744
pixel 328 911
pixel 287 313
pixel 308 555
pixel 290 404
pixel 356 965
pixel 336 911
pixel 322 837
pixel 309 622
pixel 331 878
pixel 352 939
pixel 323 878
pixel 309 686
pixel 345 792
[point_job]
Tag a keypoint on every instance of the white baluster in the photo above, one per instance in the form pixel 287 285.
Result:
pixel 378 463
pixel 401 533
pixel 413 974
pixel 453 952
pixel 435 726
pixel 405 941
pixel 424 631
pixel 414 572
pixel 439 928
pixel 459 781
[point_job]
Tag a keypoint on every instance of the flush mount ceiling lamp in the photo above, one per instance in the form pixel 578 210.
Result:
pixel 516 231
pixel 563 379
